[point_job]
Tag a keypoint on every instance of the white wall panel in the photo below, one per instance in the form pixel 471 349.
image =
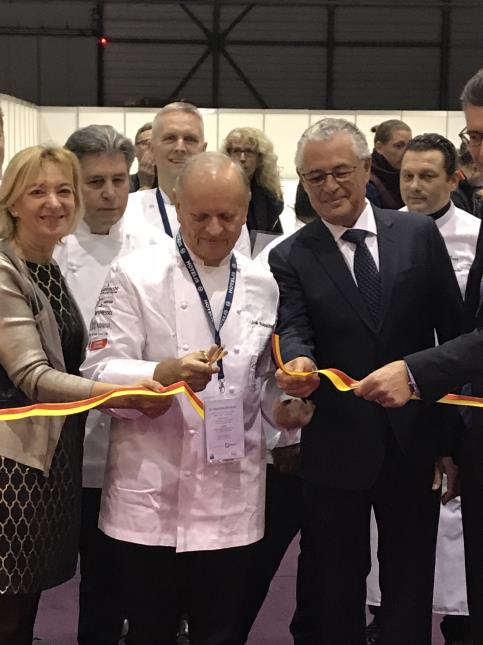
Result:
pixel 284 129
pixel 56 124
pixel 423 122
pixel 230 119
pixel 210 119
pixel 27 124
pixel 99 116
pixel 134 119
pixel 456 122
pixel 20 123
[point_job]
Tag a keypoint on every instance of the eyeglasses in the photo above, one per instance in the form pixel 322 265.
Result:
pixel 317 177
pixel 238 152
pixel 472 138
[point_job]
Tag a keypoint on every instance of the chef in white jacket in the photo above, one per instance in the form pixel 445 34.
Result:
pixel 178 133
pixel 85 258
pixel 428 177
pixel 184 499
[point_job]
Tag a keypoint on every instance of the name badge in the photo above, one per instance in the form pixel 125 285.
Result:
pixel 224 429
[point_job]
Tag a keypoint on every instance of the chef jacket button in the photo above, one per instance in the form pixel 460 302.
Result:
pixel 216 473
pixel 184 305
pixel 236 350
pixel 231 389
pixel 192 431
pixel 186 347
pixel 187 473
pixel 238 311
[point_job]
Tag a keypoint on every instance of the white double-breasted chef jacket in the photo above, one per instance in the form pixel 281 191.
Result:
pixel 85 260
pixel 459 230
pixel 143 204
pixel 159 487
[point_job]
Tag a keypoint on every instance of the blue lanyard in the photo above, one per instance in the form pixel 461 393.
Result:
pixel 163 213
pixel 205 301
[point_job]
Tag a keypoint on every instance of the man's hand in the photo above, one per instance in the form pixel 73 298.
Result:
pixel 146 169
pixel 299 386
pixel 388 386
pixel 447 466
pixel 293 414
pixel 286 460
pixel 196 369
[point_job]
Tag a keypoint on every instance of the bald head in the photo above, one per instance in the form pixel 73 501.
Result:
pixel 211 196
pixel 213 167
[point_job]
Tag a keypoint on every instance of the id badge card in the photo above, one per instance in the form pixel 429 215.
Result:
pixel 224 429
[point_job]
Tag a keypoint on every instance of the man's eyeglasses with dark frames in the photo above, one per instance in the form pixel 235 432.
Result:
pixel 317 177
pixel 472 138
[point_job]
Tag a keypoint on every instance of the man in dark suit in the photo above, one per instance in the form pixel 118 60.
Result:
pixel 359 287
pixel 437 371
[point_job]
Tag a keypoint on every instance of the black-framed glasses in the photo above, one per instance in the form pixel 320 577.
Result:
pixel 318 177
pixel 472 138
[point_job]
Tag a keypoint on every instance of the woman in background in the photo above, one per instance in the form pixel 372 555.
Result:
pixel 251 148
pixel 390 141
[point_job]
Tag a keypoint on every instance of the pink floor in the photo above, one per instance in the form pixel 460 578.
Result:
pixel 57 616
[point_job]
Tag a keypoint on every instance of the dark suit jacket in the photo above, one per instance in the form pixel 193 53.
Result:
pixel 458 362
pixel 322 316
pixel 264 210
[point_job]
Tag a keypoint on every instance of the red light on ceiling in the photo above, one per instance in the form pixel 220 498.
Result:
pixel 103 41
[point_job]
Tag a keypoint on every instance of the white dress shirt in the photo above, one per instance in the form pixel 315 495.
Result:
pixel 365 222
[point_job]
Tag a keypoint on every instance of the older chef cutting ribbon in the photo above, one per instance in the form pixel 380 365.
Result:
pixel 183 499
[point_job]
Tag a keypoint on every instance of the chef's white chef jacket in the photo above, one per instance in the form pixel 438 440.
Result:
pixel 159 488
pixel 85 259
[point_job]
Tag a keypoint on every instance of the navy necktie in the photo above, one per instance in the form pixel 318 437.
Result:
pixel 366 273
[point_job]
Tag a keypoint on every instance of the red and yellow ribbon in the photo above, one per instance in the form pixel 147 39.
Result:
pixel 75 407
pixel 344 383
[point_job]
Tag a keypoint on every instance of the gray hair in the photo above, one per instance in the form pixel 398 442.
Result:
pixel 100 139
pixel 326 129
pixel 179 106
pixel 212 162
pixel 472 93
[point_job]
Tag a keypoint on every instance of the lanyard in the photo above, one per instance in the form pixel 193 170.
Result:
pixel 163 213
pixel 188 262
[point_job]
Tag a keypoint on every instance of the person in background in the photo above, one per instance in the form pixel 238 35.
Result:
pixel 469 194
pixel 178 134
pixel 145 177
pixel 254 152
pixel 432 373
pixel 428 178
pixel 85 258
pixel 390 140
pixel 41 350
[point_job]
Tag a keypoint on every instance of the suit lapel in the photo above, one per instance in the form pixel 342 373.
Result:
pixel 388 258
pixel 327 253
